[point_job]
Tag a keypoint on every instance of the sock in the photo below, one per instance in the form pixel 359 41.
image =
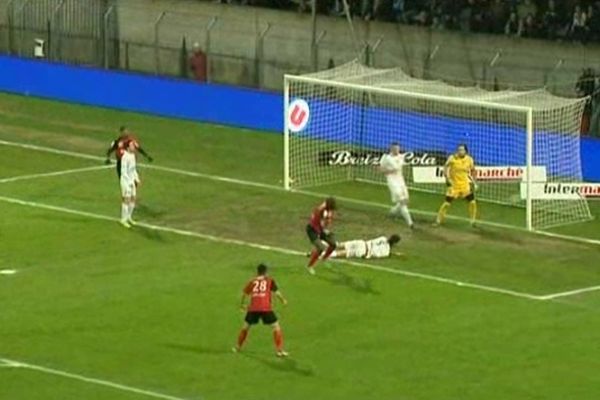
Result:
pixel 242 337
pixel 333 255
pixel 314 257
pixel 130 212
pixel 406 214
pixel 328 252
pixel 442 212
pixel 124 211
pixel 473 210
pixel 278 339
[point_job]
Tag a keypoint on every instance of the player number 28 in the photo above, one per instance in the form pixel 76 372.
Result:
pixel 259 286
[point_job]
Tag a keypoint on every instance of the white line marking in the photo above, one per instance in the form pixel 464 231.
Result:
pixel 569 293
pixel 51 150
pixel 8 271
pixel 280 188
pixel 56 173
pixel 82 378
pixel 8 364
pixel 274 249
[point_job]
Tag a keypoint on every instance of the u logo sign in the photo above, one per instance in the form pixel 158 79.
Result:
pixel 298 115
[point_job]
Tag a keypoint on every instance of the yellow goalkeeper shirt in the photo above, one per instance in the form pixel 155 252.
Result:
pixel 459 170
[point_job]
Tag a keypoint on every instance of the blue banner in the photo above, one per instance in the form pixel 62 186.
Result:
pixel 261 110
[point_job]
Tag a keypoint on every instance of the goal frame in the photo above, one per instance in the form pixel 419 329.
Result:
pixel 526 111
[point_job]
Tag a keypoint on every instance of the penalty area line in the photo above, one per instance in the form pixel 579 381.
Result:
pixel 267 186
pixel 574 292
pixel 100 382
pixel 275 249
pixel 55 173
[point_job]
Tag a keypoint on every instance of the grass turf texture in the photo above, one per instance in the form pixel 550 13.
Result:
pixel 158 311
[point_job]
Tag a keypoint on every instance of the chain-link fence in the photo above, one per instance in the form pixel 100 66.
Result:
pixel 257 53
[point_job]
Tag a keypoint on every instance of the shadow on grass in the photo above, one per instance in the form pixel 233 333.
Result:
pixel 497 235
pixel 196 349
pixel 149 212
pixel 150 234
pixel 285 365
pixel 336 276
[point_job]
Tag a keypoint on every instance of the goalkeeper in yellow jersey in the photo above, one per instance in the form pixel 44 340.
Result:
pixel 459 172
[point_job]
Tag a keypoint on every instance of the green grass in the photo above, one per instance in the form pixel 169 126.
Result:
pixel 158 311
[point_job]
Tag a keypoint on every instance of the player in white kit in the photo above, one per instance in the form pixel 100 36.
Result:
pixel 392 165
pixel 380 247
pixel 129 181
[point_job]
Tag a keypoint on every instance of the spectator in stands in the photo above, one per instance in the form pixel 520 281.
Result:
pixel 585 86
pixel 498 14
pixel 578 27
pixel 525 8
pixel 552 22
pixel 528 27
pixel 198 63
pixel 593 21
pixel 511 28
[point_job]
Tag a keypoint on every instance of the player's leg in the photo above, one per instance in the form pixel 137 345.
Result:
pixel 250 319
pixel 318 247
pixel 441 216
pixel 132 205
pixel 401 198
pixel 472 207
pixel 340 251
pixel 125 198
pixel 277 334
pixel 331 244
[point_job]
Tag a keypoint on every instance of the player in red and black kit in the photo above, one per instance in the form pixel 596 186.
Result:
pixel 260 291
pixel 318 232
pixel 119 145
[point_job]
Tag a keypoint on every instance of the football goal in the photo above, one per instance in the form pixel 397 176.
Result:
pixel 339 122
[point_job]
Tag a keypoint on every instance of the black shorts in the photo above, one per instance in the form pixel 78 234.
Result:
pixel 267 317
pixel 119 168
pixel 313 235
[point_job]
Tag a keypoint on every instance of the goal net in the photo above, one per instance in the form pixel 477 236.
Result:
pixel 339 122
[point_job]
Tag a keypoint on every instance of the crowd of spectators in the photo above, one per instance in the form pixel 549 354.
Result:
pixel 577 20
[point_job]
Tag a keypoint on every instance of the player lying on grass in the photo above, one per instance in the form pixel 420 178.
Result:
pixel 129 180
pixel 380 247
pixel 459 171
pixel 392 165
pixel 319 234
pixel 118 146
pixel 260 290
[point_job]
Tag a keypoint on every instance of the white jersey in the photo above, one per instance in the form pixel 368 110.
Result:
pixel 374 248
pixel 129 175
pixel 393 166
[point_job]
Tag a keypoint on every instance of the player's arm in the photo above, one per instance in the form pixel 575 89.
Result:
pixel 282 299
pixel 472 176
pixel 146 155
pixel 447 167
pixel 243 300
pixel 113 146
pixel 385 166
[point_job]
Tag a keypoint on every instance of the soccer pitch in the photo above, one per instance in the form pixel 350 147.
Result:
pixel 95 311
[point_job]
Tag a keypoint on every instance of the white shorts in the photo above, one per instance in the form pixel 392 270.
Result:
pixel 128 190
pixel 398 192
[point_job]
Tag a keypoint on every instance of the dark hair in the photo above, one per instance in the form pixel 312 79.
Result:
pixel 330 203
pixel 122 129
pixel 392 240
pixel 261 269
pixel 465 146
pixel 394 144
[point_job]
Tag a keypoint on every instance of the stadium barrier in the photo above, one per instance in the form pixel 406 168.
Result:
pixel 213 103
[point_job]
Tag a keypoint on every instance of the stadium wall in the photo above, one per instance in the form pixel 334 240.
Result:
pixel 219 104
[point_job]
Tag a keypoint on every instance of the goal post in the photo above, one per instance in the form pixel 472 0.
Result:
pixel 339 122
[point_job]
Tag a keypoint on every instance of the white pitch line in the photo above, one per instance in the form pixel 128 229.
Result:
pixel 95 381
pixel 275 249
pixel 52 174
pixel 303 192
pixel 574 292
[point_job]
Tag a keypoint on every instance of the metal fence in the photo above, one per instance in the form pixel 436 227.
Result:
pixel 246 51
